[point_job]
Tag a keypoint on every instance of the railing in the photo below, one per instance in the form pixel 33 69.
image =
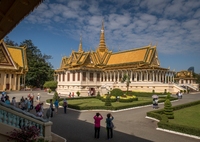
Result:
pixel 191 86
pixel 17 118
pixel 179 87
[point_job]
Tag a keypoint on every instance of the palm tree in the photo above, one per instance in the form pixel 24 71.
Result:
pixel 126 79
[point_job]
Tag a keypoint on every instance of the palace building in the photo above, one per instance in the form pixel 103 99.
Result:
pixel 13 66
pixel 90 72
pixel 13 61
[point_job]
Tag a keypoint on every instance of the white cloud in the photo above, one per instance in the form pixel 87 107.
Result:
pixel 173 24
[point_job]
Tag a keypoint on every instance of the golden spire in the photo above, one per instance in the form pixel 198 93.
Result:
pixel 102 44
pixel 80 49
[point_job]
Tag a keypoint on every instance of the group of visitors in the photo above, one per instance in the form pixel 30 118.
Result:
pixel 179 95
pixel 109 125
pixel 71 95
pixel 51 109
pixel 25 104
pixel 5 98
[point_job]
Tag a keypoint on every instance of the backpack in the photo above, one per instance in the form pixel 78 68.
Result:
pixel 37 108
pixel 65 104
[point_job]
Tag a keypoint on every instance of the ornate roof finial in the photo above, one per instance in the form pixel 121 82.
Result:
pixel 102 44
pixel 80 49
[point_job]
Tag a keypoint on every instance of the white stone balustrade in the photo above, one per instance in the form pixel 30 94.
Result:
pixel 18 118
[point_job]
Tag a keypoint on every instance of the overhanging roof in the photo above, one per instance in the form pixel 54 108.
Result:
pixel 12 12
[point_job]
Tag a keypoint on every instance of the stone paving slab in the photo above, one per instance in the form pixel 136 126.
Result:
pixel 131 125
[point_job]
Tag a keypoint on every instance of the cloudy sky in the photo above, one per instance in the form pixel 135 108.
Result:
pixel 173 25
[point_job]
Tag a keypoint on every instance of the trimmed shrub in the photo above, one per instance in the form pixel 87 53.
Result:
pixel 78 93
pixel 117 92
pixel 98 95
pixel 165 92
pixel 168 110
pixel 55 96
pixel 108 102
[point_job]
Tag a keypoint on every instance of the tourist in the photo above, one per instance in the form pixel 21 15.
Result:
pixel 38 98
pixel 56 103
pixel 180 95
pixel 7 101
pixel 109 126
pixel 3 98
pixel 97 119
pixel 14 102
pixel 48 113
pixel 22 102
pixel 177 94
pixel 65 105
pixel 154 103
pixel 39 114
pixel 51 106
pixel 28 105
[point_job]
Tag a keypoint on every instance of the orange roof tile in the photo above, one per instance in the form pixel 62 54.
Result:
pixel 127 56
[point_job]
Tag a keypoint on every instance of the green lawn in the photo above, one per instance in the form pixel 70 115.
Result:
pixel 189 116
pixel 97 102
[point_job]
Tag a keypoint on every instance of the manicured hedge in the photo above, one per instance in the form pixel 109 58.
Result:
pixel 164 123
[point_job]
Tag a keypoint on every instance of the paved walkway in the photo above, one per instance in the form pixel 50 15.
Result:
pixel 131 125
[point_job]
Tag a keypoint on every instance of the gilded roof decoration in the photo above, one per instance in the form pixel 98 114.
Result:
pixel 138 58
pixel 13 58
pixel 184 74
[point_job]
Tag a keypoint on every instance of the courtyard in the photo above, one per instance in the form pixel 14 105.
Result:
pixel 131 125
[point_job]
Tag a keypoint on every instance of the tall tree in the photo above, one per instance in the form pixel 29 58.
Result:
pixel 197 76
pixel 10 42
pixel 40 70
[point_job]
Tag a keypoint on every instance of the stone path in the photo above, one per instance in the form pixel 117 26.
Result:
pixel 131 125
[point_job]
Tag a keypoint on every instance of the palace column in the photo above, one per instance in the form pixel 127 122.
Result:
pixel 61 77
pixel 131 76
pixel 114 77
pixel 122 74
pixel 106 76
pixel 168 78
pixel 10 81
pixel 18 82
pixel 81 76
pixel 153 76
pixel 4 82
pixel 103 75
pixel 14 85
pixel 135 78
pixel 150 76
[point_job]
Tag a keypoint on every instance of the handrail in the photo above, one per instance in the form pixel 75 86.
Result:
pixel 18 118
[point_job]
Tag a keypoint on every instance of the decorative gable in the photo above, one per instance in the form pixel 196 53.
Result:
pixel 6 60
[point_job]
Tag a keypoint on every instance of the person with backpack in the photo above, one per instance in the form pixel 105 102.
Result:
pixel 56 103
pixel 37 107
pixel 109 126
pixel 65 105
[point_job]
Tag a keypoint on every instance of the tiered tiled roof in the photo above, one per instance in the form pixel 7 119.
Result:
pixel 102 58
